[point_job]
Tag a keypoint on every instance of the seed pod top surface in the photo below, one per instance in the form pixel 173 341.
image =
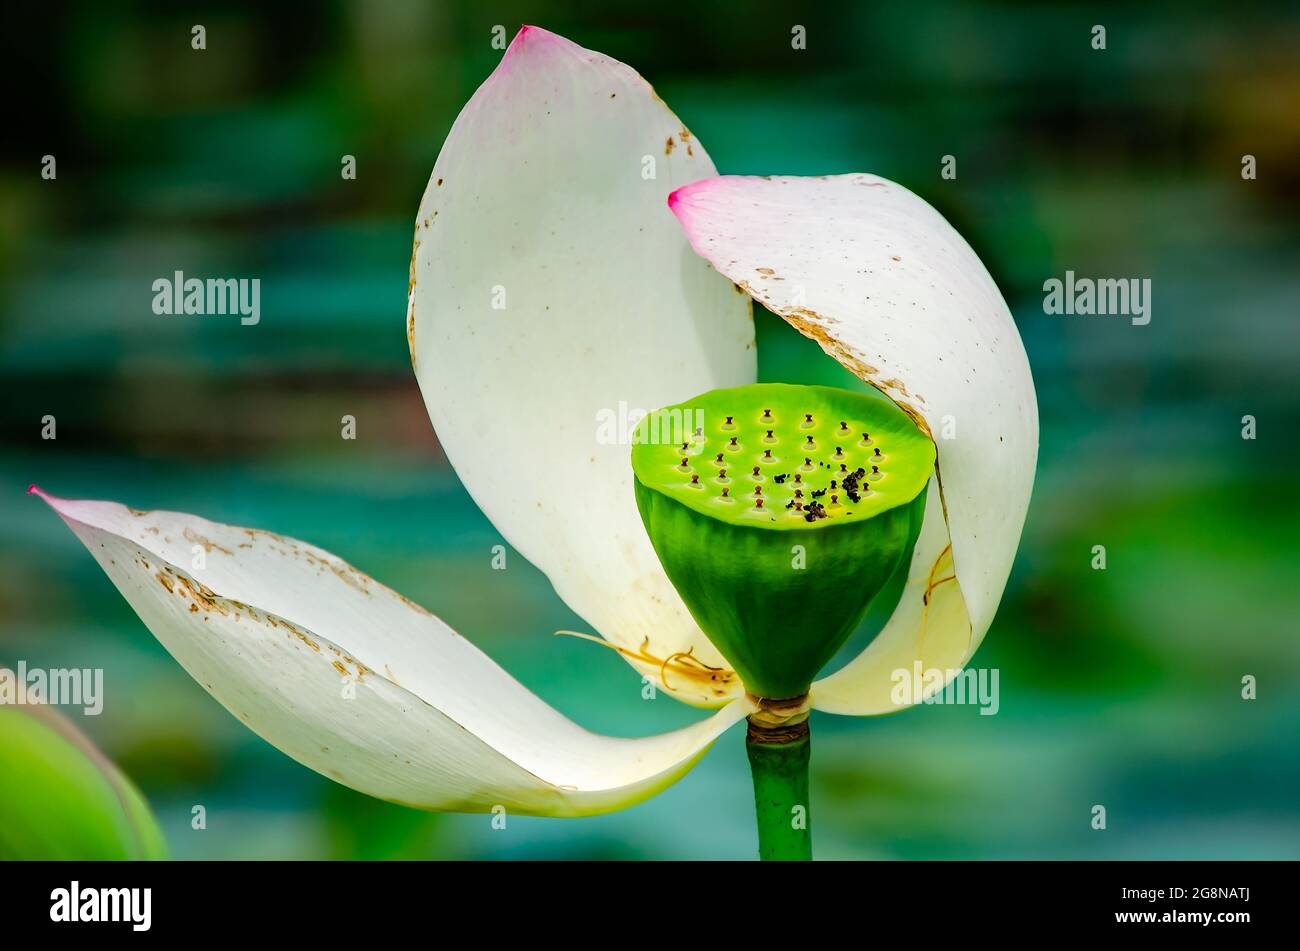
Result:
pixel 784 457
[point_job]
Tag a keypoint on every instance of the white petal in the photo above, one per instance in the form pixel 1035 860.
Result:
pixel 358 683
pixel 539 203
pixel 886 286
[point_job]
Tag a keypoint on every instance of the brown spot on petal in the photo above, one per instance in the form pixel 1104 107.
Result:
pixel 255 533
pixel 207 544
pixel 302 636
pixel 410 303
pixel 201 593
pixel 810 324
pixel 410 331
pixel 895 384
pixel 915 415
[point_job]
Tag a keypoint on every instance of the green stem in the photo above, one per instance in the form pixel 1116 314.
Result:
pixel 778 759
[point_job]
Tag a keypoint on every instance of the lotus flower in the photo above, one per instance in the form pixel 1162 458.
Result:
pixel 575 251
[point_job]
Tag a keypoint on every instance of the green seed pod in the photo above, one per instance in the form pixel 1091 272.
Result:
pixel 779 512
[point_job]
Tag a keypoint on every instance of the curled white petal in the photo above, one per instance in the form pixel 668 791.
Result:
pixel 360 684
pixel 889 289
pixel 552 298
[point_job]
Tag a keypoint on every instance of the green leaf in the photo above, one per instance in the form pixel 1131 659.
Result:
pixel 63 799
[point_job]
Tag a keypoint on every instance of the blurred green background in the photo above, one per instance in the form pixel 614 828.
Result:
pixel 1118 687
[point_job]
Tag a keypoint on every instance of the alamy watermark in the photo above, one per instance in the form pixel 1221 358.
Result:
pixel 974 686
pixel 622 426
pixel 59 686
pixel 179 294
pixel 1101 297
pixel 133 906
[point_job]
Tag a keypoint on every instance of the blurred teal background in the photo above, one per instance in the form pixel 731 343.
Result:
pixel 1118 687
